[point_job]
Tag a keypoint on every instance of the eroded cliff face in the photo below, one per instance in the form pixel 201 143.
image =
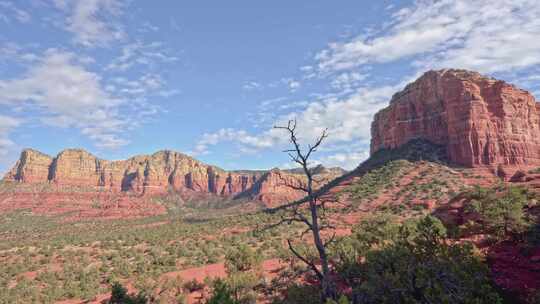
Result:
pixel 155 174
pixel 481 121
pixel 32 167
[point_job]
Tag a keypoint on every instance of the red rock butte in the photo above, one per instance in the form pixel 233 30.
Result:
pixel 482 122
pixel 155 174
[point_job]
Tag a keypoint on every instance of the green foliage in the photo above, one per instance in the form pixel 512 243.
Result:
pixel 170 291
pixel 376 230
pixel 242 258
pixel 373 181
pixel 193 285
pixel 300 294
pixel 119 295
pixel 221 294
pixel 501 209
pixel 242 285
pixel 533 235
pixel 373 232
pixel 91 253
pixel 243 269
pixel 342 300
pixel 412 263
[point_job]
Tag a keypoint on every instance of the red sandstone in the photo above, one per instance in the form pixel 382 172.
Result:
pixel 156 174
pixel 482 121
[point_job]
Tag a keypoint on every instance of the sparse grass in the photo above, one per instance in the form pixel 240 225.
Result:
pixel 369 185
pixel 43 259
pixel 407 187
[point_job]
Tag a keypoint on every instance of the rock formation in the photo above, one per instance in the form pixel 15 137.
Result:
pixel 481 121
pixel 32 167
pixel 156 174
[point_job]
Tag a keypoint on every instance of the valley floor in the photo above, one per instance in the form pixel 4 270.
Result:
pixel 173 250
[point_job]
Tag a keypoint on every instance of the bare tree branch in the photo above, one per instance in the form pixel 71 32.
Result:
pixel 317 210
pixel 306 261
pixel 331 240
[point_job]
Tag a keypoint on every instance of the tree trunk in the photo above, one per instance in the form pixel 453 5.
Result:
pixel 327 284
pixel 329 290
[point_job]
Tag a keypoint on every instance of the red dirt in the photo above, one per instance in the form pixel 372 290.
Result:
pixel 82 205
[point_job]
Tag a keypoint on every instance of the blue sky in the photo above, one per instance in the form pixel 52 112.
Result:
pixel 211 78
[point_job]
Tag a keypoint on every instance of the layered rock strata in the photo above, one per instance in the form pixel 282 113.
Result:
pixel 480 120
pixel 155 174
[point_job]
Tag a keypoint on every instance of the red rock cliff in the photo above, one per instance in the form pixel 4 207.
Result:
pixel 482 121
pixel 153 175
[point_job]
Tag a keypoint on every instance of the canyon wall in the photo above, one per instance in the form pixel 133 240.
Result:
pixel 155 174
pixel 481 121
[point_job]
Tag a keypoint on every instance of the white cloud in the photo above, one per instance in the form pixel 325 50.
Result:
pixel 489 36
pixel 8 10
pixel 248 141
pixel 148 27
pixel 90 20
pixel 168 93
pixel 139 53
pixel 13 51
pixel 293 85
pixel 345 160
pixel 70 96
pixel 251 85
pixel 138 89
pixel 484 35
pixel 347 81
pixel 7 124
pixel 348 120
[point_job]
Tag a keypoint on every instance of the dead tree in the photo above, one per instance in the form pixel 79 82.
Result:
pixel 315 207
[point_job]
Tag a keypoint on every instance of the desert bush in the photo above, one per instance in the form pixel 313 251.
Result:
pixel 242 258
pixel 501 209
pixel 300 294
pixel 375 180
pixel 421 267
pixel 119 295
pixel 243 268
pixel 193 285
pixel 221 294
pixel 533 235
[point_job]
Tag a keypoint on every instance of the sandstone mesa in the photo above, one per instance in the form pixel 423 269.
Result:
pixel 156 174
pixel 482 122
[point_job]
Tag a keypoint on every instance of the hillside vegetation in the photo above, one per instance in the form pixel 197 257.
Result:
pixel 382 217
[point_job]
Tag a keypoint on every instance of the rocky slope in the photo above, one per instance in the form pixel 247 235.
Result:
pixel 485 129
pixel 155 174
pixel 481 121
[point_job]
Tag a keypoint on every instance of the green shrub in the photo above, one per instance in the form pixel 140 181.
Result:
pixel 193 285
pixel 501 209
pixel 221 294
pixel 421 267
pixel 300 294
pixel 119 295
pixel 241 258
pixel 341 300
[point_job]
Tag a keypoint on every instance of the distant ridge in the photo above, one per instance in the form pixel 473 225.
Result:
pixel 156 174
